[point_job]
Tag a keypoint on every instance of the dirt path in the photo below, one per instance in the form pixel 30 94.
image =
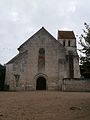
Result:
pixel 44 105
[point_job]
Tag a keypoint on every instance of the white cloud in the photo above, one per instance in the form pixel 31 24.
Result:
pixel 72 7
pixel 19 19
pixel 15 16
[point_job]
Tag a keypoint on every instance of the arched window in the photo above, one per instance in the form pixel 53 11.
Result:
pixel 64 43
pixel 69 43
pixel 41 51
pixel 41 60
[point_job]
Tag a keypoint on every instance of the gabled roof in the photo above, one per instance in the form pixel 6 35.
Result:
pixel 42 29
pixel 66 35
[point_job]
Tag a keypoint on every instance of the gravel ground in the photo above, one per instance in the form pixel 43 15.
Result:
pixel 44 105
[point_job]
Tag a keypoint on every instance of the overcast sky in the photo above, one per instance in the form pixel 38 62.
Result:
pixel 19 19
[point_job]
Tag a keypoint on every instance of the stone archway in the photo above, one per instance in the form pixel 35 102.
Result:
pixel 41 83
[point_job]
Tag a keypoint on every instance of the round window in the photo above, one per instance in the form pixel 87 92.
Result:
pixel 41 51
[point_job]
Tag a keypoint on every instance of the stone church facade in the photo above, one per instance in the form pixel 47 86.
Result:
pixel 43 62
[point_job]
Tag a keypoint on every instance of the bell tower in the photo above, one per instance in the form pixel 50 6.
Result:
pixel 68 40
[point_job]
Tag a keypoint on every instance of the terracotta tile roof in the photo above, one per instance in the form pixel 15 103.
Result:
pixel 66 35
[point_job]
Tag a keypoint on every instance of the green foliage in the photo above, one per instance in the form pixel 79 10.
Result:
pixel 85 59
pixel 2 76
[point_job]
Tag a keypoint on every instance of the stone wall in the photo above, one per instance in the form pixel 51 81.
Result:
pixel 76 84
pixel 23 70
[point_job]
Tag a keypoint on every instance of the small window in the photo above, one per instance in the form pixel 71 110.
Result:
pixel 41 51
pixel 69 43
pixel 41 60
pixel 63 43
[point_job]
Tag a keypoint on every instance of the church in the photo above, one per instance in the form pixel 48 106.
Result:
pixel 43 62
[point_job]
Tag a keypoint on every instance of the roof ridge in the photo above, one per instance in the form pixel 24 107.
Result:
pixel 42 28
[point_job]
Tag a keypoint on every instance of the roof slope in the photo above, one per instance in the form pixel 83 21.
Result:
pixel 41 30
pixel 16 57
pixel 66 35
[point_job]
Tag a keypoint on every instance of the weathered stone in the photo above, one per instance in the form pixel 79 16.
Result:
pixel 23 70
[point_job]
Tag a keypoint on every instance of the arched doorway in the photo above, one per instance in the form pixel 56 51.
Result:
pixel 41 83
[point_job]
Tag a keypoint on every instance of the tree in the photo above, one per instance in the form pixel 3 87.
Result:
pixel 85 58
pixel 2 76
